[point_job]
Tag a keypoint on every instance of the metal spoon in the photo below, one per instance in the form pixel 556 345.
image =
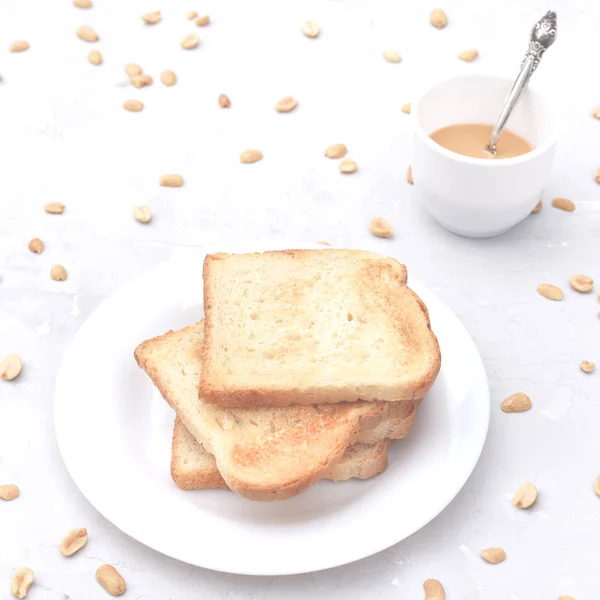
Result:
pixel 542 37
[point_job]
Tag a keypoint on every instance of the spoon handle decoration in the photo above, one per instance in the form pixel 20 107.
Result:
pixel 542 37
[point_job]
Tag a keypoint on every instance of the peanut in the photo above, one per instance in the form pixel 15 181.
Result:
pixel 406 107
pixel 392 56
pixel 348 166
pixel 550 291
pixel 74 541
pixel 140 81
pixel 58 273
pixel 409 176
pixel 168 77
pixel 9 492
pixel 19 46
pixel 87 34
pixel 133 105
pixel 587 366
pixel 581 283
pixel 224 101
pixel 36 245
pixel 172 180
pixel 21 582
pixel 525 496
pixel 189 42
pixel 310 29
pixel 202 21
pixel 286 104
pixel 434 590
pixel 192 15
pixel 563 204
pixel 438 18
pixel 132 69
pixel 493 555
pixel 468 55
pixel 250 156
pixel 110 579
pixel 10 367
pixel 83 3
pixel 95 57
pixel 518 402
pixel 152 18
pixel 380 227
pixel 336 151
pixel 143 214
pixel 55 208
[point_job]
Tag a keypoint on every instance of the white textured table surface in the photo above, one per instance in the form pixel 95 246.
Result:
pixel 65 137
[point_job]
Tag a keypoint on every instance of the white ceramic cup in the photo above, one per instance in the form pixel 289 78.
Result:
pixel 478 197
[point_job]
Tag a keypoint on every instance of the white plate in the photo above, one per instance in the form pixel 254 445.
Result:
pixel 114 433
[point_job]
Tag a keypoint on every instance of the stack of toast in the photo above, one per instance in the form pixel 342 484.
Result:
pixel 307 365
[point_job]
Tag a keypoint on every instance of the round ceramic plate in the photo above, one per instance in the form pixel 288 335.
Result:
pixel 114 433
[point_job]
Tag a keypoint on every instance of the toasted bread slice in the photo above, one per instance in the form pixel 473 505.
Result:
pixel 313 326
pixel 265 453
pixel 193 468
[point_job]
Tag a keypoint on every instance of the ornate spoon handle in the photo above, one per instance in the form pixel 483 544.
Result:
pixel 542 37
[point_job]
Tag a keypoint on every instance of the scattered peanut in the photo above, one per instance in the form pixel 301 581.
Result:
pixel 380 227
pixel 566 598
pixel 83 3
pixel 168 77
pixel 537 208
pixel 87 34
pixel 21 582
pixel 250 156
pixel 336 151
pixel 189 42
pixel 493 555
pixel 406 107
pixel 525 496
pixel 132 69
pixel 518 402
pixel 596 112
pixel 587 366
pixel 143 213
pixel 172 180
pixel 438 18
pixel 152 18
pixel 286 104
pixel 110 579
pixel 550 291
pixel 9 492
pixel 36 245
pixel 55 208
pixel 95 57
pixel 74 541
pixel 324 243
pixel 192 15
pixel 348 166
pixel 392 56
pixel 468 55
pixel 133 105
pixel 19 46
pixel 409 176
pixel 10 367
pixel 597 175
pixel 202 21
pixel 224 101
pixel 310 29
pixel 58 273
pixel 140 81
pixel 581 283
pixel 434 590
pixel 597 485
pixel 563 204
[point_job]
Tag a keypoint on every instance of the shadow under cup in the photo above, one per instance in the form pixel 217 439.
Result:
pixel 478 197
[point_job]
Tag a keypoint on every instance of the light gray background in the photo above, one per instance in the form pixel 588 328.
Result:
pixel 65 137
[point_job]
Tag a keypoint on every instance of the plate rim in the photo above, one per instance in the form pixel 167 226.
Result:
pixel 148 541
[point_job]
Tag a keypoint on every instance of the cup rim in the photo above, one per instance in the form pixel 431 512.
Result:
pixel 485 163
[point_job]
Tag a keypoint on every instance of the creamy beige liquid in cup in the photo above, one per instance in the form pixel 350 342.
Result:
pixel 470 139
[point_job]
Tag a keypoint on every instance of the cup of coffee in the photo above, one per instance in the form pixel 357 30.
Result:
pixel 466 189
